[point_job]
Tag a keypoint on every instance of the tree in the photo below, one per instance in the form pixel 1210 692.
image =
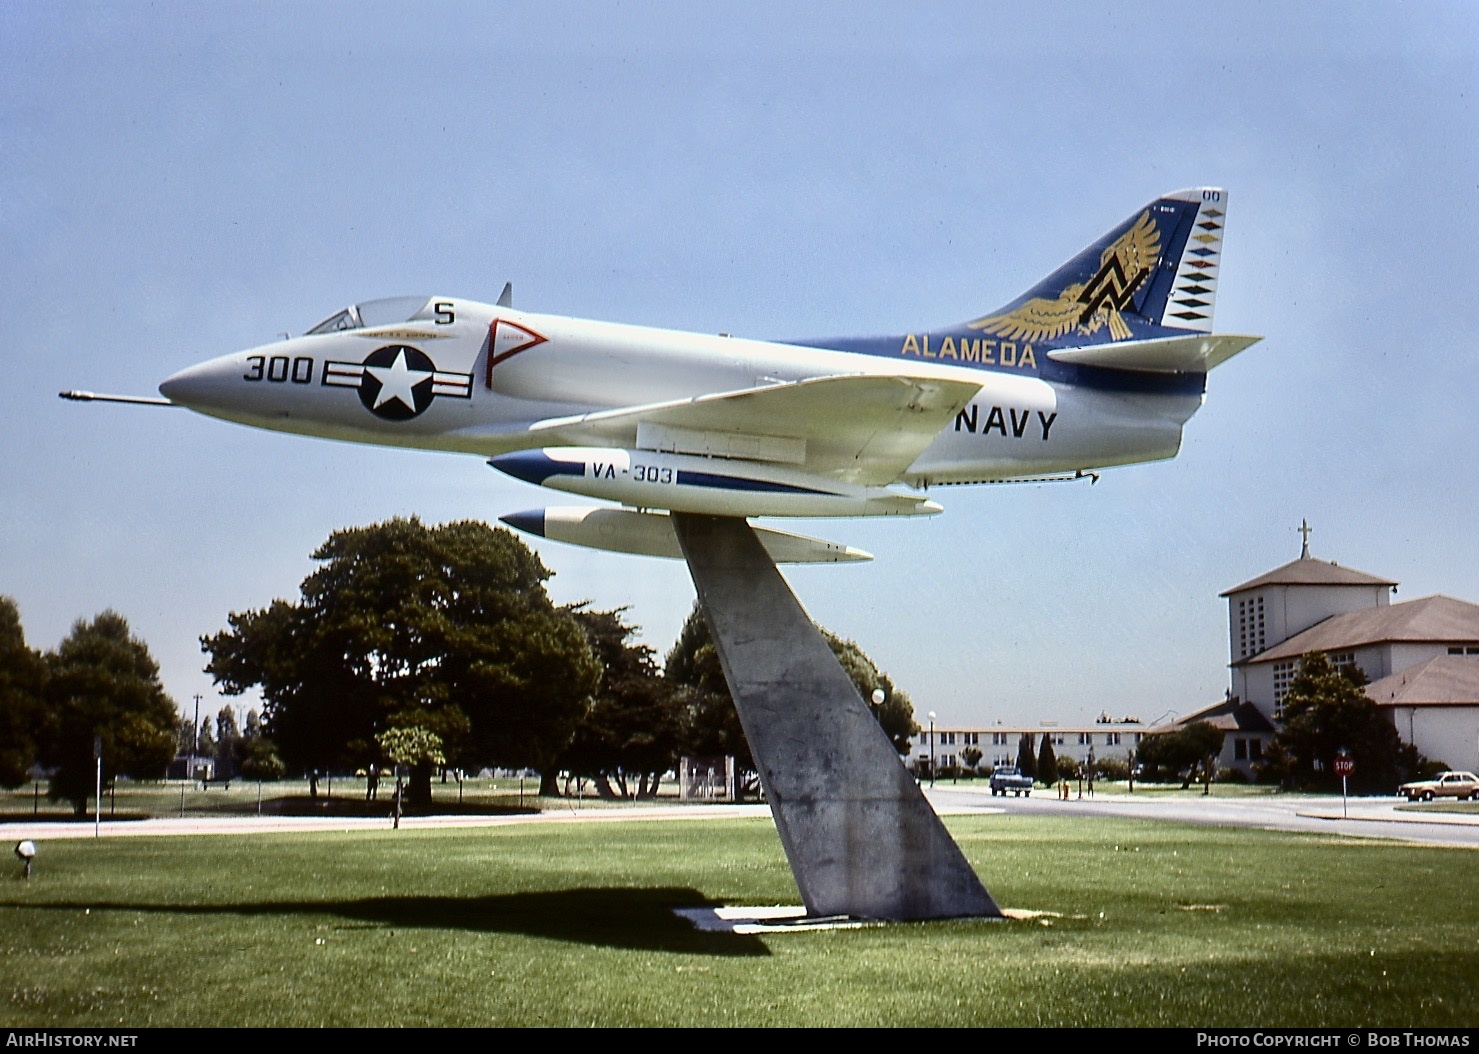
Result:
pixel 103 683
pixel 1047 761
pixel 711 724
pixel 446 628
pixel 1325 711
pixel 260 760
pixel 1187 752
pixel 971 756
pixel 229 744
pixel 206 739
pixel 418 749
pixel 185 733
pixel 896 712
pixel 1026 759
pixel 714 728
pixel 634 728
pixel 23 713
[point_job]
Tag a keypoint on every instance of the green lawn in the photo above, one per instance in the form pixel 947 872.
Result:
pixel 570 924
pixel 242 798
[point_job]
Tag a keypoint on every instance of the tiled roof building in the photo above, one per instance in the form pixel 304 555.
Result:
pixel 1428 646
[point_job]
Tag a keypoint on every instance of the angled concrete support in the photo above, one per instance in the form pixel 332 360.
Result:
pixel 858 833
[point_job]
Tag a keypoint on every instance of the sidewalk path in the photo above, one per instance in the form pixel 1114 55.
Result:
pixel 1357 817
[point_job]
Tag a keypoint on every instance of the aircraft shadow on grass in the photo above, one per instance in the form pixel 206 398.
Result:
pixel 633 919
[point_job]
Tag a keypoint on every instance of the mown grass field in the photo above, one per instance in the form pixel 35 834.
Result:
pixel 571 924
pixel 245 797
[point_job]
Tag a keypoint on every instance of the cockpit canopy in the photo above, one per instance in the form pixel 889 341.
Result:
pixel 371 313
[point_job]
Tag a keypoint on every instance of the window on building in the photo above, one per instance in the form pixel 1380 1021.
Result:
pixel 1250 626
pixel 1283 674
pixel 1085 738
pixel 1342 660
pixel 1255 749
pixel 1240 750
pixel 1111 739
pixel 998 739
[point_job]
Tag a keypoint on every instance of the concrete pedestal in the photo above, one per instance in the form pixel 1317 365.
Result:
pixel 856 828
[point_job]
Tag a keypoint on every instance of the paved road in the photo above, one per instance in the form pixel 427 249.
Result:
pixel 1368 817
pixel 1360 817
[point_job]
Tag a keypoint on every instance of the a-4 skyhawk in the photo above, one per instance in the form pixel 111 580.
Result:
pixel 1099 364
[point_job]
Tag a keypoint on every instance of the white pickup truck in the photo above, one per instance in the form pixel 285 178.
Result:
pixel 1007 780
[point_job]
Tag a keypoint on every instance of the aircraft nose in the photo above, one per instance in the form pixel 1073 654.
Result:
pixel 180 387
pixel 201 385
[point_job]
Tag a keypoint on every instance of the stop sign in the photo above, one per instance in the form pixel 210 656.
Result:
pixel 1345 765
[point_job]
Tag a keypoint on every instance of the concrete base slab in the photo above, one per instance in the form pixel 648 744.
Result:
pixel 768 920
pixel 860 837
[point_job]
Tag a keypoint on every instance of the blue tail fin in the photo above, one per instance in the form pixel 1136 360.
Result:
pixel 1155 275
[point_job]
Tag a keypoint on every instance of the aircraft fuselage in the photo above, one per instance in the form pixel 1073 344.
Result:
pixel 473 378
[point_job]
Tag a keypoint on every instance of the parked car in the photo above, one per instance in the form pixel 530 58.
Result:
pixel 1447 785
pixel 1007 780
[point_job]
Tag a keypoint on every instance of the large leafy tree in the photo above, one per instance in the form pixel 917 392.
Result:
pixel 103 683
pixel 22 711
pixel 447 629
pixel 1190 752
pixel 1325 711
pixel 714 728
pixel 634 730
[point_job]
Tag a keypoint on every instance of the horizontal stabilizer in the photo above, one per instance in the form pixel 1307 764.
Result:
pixel 1198 353
pixel 651 534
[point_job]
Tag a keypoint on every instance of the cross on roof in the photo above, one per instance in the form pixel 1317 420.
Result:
pixel 1305 529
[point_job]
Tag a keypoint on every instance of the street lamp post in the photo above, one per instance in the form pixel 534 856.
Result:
pixel 932 748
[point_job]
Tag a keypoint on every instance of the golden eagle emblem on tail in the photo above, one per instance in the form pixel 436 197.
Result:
pixel 1086 306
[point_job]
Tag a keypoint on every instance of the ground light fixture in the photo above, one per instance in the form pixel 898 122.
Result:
pixel 26 851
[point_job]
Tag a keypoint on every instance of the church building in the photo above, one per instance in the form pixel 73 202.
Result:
pixel 1421 656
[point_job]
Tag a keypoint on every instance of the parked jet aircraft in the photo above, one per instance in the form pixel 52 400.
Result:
pixel 1099 364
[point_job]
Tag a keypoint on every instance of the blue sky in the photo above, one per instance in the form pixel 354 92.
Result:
pixel 183 180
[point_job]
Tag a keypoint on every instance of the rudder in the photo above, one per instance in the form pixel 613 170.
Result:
pixel 1154 275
